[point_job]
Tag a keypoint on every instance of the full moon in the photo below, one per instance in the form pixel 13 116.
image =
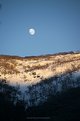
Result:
pixel 31 31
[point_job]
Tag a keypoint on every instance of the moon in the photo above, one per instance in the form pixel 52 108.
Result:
pixel 32 31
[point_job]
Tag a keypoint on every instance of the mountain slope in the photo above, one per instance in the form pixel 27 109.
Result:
pixel 40 76
pixel 32 70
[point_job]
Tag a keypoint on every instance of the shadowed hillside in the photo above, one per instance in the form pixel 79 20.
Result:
pixel 64 106
pixel 40 87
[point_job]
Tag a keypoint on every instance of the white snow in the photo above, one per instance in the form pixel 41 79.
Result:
pixel 32 71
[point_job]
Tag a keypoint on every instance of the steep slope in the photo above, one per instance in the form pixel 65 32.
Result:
pixel 48 70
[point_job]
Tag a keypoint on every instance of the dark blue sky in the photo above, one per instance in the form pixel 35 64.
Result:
pixel 57 24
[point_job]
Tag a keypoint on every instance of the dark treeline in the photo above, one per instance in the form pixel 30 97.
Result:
pixel 64 106
pixel 36 57
pixel 61 107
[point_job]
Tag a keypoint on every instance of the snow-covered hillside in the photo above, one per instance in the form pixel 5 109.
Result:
pixel 31 71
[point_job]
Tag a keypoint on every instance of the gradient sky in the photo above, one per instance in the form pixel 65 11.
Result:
pixel 57 25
